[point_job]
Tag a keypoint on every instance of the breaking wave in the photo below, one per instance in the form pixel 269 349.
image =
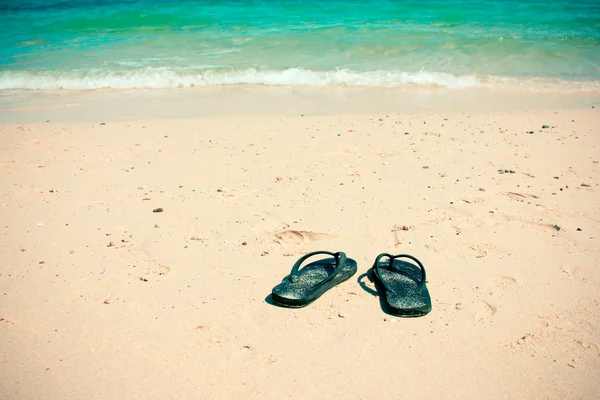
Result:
pixel 157 78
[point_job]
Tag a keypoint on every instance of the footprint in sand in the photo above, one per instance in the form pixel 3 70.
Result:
pixel 506 282
pixel 478 250
pixel 484 310
pixel 299 237
pixel 575 272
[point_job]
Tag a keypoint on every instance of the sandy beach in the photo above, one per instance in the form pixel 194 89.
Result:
pixel 102 298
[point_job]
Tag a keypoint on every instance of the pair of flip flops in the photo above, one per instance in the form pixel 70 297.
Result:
pixel 401 284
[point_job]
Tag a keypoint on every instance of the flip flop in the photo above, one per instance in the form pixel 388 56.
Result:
pixel 402 285
pixel 303 286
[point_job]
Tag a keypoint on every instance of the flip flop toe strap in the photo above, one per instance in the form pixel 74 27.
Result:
pixel 340 261
pixel 392 258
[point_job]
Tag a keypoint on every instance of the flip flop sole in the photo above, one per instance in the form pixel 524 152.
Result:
pixel 402 293
pixel 286 294
pixel 300 303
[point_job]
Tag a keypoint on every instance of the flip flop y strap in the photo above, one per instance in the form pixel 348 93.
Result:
pixel 392 258
pixel 340 261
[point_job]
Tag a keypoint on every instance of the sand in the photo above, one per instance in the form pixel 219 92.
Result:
pixel 102 298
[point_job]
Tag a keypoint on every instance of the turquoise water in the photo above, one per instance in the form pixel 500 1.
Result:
pixel 91 44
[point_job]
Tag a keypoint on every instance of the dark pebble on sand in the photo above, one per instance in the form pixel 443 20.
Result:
pixel 102 123
pixel 545 126
pixel 579 229
pixel 531 132
pixel 158 210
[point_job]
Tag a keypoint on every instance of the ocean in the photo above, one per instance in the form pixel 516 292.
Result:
pixel 120 44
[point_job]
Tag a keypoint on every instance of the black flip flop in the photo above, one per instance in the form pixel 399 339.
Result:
pixel 402 285
pixel 303 286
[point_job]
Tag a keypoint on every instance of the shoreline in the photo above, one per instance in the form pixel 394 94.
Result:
pixel 88 106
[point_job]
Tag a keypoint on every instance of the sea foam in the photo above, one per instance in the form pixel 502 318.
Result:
pixel 168 78
pixel 165 78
